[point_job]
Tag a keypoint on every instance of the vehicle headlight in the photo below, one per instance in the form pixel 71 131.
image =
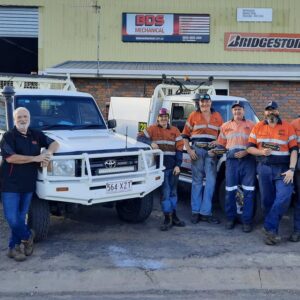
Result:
pixel 62 168
pixel 150 161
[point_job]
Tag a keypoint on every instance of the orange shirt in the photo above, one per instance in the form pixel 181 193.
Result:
pixel 296 125
pixel 235 134
pixel 281 139
pixel 198 129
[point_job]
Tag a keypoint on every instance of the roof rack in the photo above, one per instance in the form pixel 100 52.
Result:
pixel 36 82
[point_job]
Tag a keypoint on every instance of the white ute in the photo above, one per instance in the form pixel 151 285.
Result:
pixel 93 164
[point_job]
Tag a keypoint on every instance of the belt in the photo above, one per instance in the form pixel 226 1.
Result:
pixel 202 145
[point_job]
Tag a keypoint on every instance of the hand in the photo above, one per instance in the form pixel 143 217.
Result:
pixel 240 154
pixel 192 154
pixel 154 146
pixel 176 171
pixel 211 153
pixel 43 158
pixel 266 151
pixel 288 176
pixel 212 144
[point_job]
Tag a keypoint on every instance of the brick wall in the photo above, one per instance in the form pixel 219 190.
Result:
pixel 286 94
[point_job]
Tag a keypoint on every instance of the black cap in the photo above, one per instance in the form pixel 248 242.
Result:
pixel 271 104
pixel 237 103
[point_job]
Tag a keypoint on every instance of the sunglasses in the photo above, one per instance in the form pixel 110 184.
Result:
pixel 205 97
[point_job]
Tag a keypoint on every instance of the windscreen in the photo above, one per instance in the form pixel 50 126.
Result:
pixel 57 112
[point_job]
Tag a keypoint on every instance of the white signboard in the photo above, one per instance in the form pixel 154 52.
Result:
pixel 254 14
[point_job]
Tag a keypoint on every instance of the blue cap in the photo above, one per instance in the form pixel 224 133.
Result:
pixel 272 105
pixel 237 103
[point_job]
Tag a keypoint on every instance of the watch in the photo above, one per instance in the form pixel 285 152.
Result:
pixel 292 169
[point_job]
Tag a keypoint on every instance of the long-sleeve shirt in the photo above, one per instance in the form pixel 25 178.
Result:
pixel 168 140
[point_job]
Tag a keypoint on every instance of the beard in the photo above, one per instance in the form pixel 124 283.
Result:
pixel 22 127
pixel 272 118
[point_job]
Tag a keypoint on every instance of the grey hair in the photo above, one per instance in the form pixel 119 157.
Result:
pixel 17 110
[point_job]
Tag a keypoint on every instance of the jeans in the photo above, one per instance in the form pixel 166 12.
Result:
pixel 297 205
pixel 169 192
pixel 203 167
pixel 275 194
pixel 16 206
pixel 240 172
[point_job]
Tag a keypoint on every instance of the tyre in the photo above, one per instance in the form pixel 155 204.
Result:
pixel 135 210
pixel 39 218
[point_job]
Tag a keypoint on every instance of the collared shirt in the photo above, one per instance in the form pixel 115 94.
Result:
pixel 281 139
pixel 235 134
pixel 168 140
pixel 198 129
pixel 21 178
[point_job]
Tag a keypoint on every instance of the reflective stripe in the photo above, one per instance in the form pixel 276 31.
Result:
pixel 199 126
pixel 231 188
pixel 248 188
pixel 252 135
pixel 209 136
pixel 280 142
pixel 213 127
pixel 179 138
pixel 238 134
pixel 146 133
pixel 242 147
pixel 169 153
pixel 164 142
pixel 280 153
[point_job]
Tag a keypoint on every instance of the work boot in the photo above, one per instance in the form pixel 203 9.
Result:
pixel 16 253
pixel 28 244
pixel 295 237
pixel 229 224
pixel 209 219
pixel 195 218
pixel 247 228
pixel 167 224
pixel 176 221
pixel 271 238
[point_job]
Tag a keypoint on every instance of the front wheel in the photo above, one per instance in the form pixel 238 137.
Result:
pixel 39 218
pixel 135 210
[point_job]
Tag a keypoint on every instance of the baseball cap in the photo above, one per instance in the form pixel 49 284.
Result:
pixel 195 97
pixel 163 111
pixel 237 103
pixel 271 104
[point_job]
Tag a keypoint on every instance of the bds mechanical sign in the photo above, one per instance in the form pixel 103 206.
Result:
pixel 276 42
pixel 165 28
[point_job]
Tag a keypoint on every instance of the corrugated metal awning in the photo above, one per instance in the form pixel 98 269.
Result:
pixel 19 22
pixel 154 70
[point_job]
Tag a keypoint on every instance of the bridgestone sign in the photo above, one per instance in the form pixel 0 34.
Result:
pixel 234 41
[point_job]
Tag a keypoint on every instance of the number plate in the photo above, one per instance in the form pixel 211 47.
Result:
pixel 118 186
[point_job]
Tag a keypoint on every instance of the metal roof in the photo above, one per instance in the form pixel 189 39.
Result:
pixel 154 70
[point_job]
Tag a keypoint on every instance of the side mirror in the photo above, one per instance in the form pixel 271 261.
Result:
pixel 112 123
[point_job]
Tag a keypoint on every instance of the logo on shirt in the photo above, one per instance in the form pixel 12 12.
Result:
pixel 281 132
pixel 34 142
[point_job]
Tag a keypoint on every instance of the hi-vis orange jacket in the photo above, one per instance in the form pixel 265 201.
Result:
pixel 234 135
pixel 197 129
pixel 281 139
pixel 296 125
pixel 168 140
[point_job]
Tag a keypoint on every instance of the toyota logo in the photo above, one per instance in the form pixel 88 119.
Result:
pixel 111 163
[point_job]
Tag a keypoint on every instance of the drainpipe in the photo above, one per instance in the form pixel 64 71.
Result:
pixel 8 93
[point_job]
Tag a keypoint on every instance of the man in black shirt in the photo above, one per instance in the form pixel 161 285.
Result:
pixel 21 157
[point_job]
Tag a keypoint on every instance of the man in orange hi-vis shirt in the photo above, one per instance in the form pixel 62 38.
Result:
pixel 273 141
pixel 295 237
pixel 240 166
pixel 201 129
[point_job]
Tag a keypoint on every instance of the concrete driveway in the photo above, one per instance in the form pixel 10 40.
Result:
pixel 94 253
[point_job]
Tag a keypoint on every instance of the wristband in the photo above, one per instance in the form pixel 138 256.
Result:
pixel 292 169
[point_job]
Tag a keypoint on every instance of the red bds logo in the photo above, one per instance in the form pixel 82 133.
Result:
pixel 149 20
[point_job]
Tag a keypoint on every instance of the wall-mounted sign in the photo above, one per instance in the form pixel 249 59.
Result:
pixel 254 15
pixel 165 28
pixel 276 42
